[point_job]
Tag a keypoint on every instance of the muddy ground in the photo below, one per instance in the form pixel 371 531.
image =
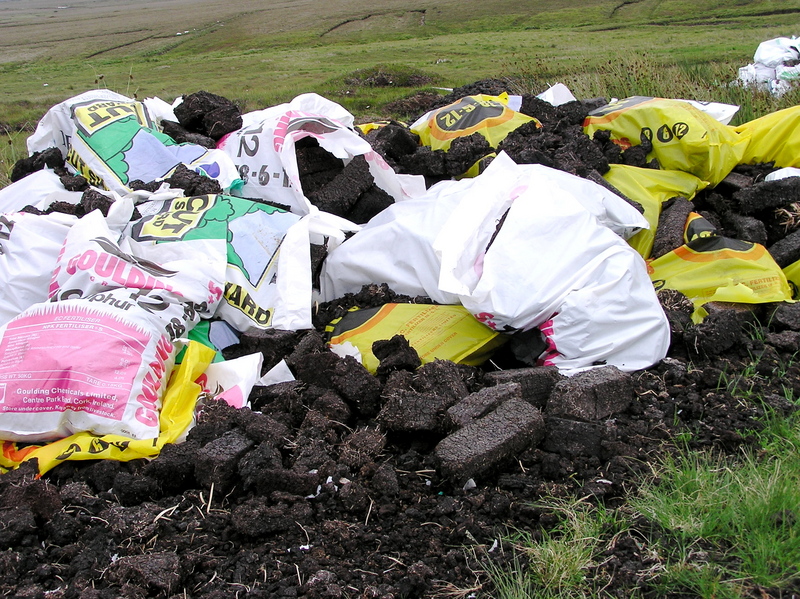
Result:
pixel 344 484
pixel 311 498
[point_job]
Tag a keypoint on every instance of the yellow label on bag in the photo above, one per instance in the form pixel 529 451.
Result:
pixel 488 115
pixel 712 268
pixel 684 138
pixel 651 188
pixel 434 331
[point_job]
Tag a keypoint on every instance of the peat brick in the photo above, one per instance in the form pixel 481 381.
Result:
pixel 721 329
pixel 537 383
pixel 155 571
pixel 591 395
pixel 787 250
pixel 671 223
pixel 787 341
pixel 346 376
pixel 733 182
pixel 340 195
pixel 571 438
pixel 768 194
pixel 481 402
pixel 786 316
pixel 395 354
pixel 749 228
pixel 217 461
pixel 487 442
pixel 411 411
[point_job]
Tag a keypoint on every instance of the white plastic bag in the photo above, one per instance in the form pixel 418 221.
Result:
pixel 98 364
pixel 396 246
pixel 777 51
pixel 757 74
pixel 783 173
pixel 94 259
pixel 266 250
pixel 29 247
pixel 39 189
pixel 112 140
pixel 263 151
pixel 97 357
pixel 520 252
pixel 232 380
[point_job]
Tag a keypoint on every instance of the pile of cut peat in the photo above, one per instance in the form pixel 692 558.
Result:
pixel 403 484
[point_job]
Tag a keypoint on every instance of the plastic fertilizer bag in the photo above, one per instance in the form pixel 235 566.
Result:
pixel 97 364
pixel 263 151
pixel 774 137
pixel 651 188
pixel 490 116
pixel 684 138
pixel 714 268
pixel 176 415
pixel 434 331
pixel 266 251
pixel 29 248
pixel 112 140
pixel 98 356
pixel 520 253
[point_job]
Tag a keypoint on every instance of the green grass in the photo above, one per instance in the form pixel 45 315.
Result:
pixel 719 528
pixel 556 564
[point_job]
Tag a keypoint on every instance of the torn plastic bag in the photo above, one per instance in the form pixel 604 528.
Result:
pixel 263 151
pixel 493 117
pixel 684 138
pixel 266 249
pixel 231 380
pixel 434 331
pixel 774 137
pixel 651 188
pixel 557 95
pixel 39 189
pixel 521 253
pixel 396 246
pixel 29 248
pixel 712 268
pixel 174 419
pixel 112 140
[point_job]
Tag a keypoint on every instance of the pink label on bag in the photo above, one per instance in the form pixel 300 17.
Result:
pixel 69 359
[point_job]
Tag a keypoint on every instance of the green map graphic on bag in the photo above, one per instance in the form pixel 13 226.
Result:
pixel 115 143
pixel 251 233
pixel 488 115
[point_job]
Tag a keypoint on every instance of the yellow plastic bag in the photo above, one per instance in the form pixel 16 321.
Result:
pixel 792 273
pixel 651 188
pixel 774 138
pixel 488 115
pixel 175 417
pixel 712 268
pixel 684 137
pixel 435 331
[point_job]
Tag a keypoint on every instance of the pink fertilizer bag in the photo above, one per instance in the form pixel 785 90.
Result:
pixel 98 356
